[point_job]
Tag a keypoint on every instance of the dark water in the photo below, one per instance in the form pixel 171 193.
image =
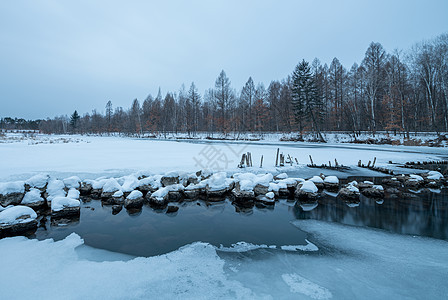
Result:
pixel 151 232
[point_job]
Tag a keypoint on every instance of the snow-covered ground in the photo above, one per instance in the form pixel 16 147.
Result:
pixel 91 157
pixel 351 263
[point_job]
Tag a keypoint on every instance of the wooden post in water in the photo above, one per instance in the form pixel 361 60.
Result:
pixel 261 162
pixel 311 159
pixel 374 160
pixel 276 159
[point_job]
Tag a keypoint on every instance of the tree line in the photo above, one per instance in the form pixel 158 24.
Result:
pixel 399 92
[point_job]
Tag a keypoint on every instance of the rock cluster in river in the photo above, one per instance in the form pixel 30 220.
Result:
pixel 42 193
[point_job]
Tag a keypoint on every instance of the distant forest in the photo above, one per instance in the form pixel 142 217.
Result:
pixel 397 92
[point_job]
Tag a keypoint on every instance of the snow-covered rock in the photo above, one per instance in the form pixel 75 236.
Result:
pixel 97 186
pixel 350 192
pixel 11 192
pixel 72 182
pixel 130 183
pixel 365 185
pixel 175 192
pixel 376 191
pixel 170 178
pixel 159 197
pixel 218 185
pixel 55 188
pixel 281 176
pixel 38 181
pixel 306 191
pixel 413 181
pixel 268 198
pixel 434 175
pixel 73 193
pixel 149 184
pixel 17 219
pixel 243 190
pixel 64 206
pixel 116 198
pixel 331 183
pixel 194 190
pixel 308 187
pixel 318 181
pixel 33 198
pixel 134 200
pixel 109 188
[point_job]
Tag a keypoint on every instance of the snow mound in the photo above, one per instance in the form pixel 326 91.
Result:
pixel 308 187
pixel 55 189
pixel 33 196
pixel 97 184
pixel 17 215
pixel 72 182
pixel 192 272
pixel 218 181
pixel 135 195
pixel 434 175
pixel 111 185
pixel 118 194
pixel 7 188
pixel 130 183
pixel 73 193
pixel 38 181
pixel 153 181
pixel 59 203
pixel 281 176
pixel 331 179
pixel 415 177
pixel 316 179
pixel 378 187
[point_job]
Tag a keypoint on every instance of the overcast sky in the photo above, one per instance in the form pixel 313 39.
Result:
pixel 58 56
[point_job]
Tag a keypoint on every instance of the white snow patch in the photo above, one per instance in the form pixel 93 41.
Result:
pixel 55 188
pixel 111 185
pixel 434 175
pixel 316 179
pixel 73 193
pixel 192 272
pixel 281 176
pixel 135 195
pixel 331 179
pixel 309 187
pixel 38 181
pixel 415 177
pixel 308 247
pixel 301 285
pixel 12 187
pixel 59 203
pixel 12 216
pixel 33 196
pixel 118 194
pixel 72 182
pixel 219 181
pixel 378 187
pixel 130 183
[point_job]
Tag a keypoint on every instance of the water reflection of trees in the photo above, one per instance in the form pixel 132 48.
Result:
pixel 422 214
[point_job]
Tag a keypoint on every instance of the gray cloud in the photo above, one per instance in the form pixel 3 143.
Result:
pixel 58 56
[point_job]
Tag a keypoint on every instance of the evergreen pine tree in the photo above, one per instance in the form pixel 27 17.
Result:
pixel 74 120
pixel 305 99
